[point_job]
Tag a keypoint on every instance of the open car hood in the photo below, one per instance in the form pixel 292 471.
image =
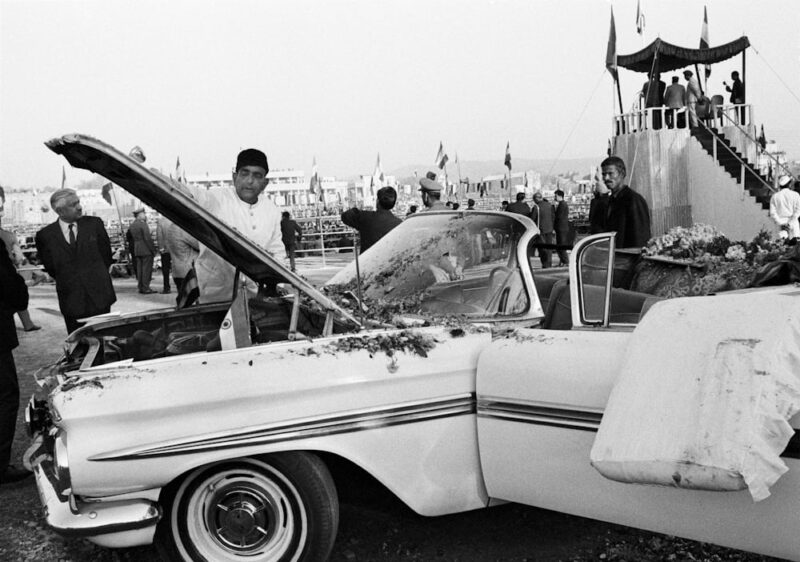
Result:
pixel 177 204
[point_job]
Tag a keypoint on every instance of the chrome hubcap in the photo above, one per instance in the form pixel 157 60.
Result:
pixel 241 519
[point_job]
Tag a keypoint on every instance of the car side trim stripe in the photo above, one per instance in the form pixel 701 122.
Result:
pixel 567 418
pixel 586 420
pixel 318 427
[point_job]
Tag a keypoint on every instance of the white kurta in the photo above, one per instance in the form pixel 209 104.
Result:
pixel 260 222
pixel 784 208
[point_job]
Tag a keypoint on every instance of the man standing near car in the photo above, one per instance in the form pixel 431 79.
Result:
pixel 166 258
pixel 544 216
pixel 13 298
pixel 431 192
pixel 144 251
pixel 561 226
pixel 374 225
pixel 76 252
pixel 291 232
pixel 246 209
pixel 628 214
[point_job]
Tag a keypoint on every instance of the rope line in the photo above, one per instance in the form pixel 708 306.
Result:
pixel 778 76
pixel 577 122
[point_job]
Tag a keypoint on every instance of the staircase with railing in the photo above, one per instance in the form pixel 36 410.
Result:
pixel 734 163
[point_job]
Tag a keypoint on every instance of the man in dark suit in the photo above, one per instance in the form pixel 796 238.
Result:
pixel 373 225
pixel 543 215
pixel 628 214
pixel 76 252
pixel 561 225
pixel 13 298
pixel 143 250
pixel 519 206
pixel 291 232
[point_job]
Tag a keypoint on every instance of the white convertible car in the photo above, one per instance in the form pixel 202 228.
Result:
pixel 444 366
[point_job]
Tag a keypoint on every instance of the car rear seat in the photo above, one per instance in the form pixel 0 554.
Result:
pixel 627 307
pixel 544 284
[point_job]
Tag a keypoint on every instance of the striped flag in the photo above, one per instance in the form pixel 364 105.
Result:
pixel 639 19
pixel 611 51
pixel 441 157
pixel 704 38
pixel 507 161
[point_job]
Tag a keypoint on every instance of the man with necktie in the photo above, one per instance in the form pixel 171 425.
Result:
pixel 76 252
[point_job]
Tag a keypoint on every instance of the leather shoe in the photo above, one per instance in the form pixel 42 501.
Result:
pixel 166 292
pixel 33 328
pixel 14 474
pixel 147 292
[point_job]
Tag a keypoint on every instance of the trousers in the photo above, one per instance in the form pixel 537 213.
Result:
pixel 9 404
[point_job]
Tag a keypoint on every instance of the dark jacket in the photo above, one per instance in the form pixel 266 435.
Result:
pixel 561 222
pixel 519 207
pixel 82 281
pixel 371 225
pixel 545 217
pixel 290 232
pixel 13 298
pixel 598 209
pixel 142 239
pixel 737 91
pixel 628 215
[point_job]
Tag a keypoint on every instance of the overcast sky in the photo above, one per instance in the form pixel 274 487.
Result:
pixel 345 79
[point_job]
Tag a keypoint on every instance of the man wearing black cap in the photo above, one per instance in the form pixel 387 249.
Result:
pixel 431 192
pixel 245 209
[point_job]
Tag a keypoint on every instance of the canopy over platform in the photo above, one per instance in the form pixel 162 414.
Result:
pixel 671 57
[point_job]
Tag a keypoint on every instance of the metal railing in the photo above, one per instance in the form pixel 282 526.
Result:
pixel 657 118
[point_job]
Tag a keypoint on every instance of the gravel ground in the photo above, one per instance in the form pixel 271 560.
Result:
pixel 373 525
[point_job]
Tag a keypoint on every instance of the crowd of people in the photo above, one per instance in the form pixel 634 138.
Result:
pixel 680 100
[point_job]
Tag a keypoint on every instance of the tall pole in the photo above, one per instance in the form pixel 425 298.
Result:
pixel 458 189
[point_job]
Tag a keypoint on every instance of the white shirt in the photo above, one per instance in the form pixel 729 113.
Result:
pixel 65 229
pixel 260 222
pixel 784 208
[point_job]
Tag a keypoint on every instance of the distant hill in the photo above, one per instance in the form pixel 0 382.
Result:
pixel 478 169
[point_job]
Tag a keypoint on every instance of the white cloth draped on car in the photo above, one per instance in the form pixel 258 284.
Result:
pixel 705 394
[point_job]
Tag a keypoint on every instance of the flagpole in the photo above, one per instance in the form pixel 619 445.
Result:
pixel 458 167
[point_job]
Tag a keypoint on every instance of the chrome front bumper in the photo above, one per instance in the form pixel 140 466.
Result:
pixel 121 523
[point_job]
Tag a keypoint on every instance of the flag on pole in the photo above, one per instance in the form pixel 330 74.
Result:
pixel 762 139
pixel 704 38
pixel 63 177
pixel 507 161
pixel 639 19
pixel 441 157
pixel 314 185
pixel 611 51
pixel 106 192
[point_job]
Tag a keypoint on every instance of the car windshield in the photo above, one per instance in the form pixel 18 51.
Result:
pixel 442 264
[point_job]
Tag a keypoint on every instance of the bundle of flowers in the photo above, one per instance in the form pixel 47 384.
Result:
pixel 717 263
pixel 703 244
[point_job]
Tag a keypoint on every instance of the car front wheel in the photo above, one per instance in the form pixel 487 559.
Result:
pixel 277 507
